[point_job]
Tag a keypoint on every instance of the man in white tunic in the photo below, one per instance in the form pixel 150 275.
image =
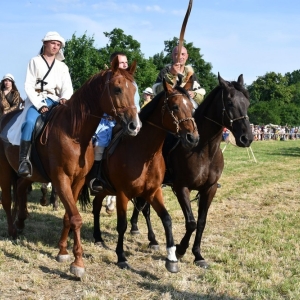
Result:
pixel 48 83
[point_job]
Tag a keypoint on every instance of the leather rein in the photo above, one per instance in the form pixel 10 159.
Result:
pixel 225 113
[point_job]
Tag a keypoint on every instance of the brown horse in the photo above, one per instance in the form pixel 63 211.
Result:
pixel 137 167
pixel 66 150
pixel 201 168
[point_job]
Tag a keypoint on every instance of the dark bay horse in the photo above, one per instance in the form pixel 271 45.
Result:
pixel 66 151
pixel 137 167
pixel 199 169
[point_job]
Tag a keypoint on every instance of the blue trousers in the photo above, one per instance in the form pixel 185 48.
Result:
pixel 31 116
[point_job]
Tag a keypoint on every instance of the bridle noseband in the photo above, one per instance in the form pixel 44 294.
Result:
pixel 224 112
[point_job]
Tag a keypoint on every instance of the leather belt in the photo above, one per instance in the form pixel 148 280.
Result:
pixel 40 91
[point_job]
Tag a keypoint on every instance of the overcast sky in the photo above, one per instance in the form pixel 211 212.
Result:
pixel 250 37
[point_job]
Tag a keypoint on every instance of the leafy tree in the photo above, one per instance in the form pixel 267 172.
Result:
pixel 294 77
pixel 82 58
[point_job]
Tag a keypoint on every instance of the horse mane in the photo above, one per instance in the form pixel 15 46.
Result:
pixel 82 103
pixel 209 98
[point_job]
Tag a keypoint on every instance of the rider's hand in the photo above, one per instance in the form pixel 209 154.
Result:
pixel 62 101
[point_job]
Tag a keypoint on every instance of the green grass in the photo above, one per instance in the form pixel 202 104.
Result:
pixel 251 242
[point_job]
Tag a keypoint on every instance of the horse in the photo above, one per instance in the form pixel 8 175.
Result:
pixel 137 168
pixel 199 169
pixel 53 196
pixel 66 152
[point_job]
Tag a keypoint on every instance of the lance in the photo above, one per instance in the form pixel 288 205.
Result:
pixel 181 36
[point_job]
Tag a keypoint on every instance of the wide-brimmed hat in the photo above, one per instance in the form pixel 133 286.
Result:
pixel 8 76
pixel 148 91
pixel 55 36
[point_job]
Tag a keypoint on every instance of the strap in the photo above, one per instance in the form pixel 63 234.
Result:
pixel 41 81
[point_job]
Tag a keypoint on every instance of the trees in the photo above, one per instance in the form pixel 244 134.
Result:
pixel 82 58
pixel 275 98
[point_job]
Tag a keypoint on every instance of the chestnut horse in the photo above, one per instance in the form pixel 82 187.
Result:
pixel 199 169
pixel 137 167
pixel 66 151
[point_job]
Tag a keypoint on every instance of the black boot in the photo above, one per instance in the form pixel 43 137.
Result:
pixel 25 167
pixel 95 183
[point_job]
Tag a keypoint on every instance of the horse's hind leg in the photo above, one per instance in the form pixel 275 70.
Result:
pixel 158 205
pixel 183 196
pixel 44 190
pixel 141 204
pixel 54 199
pixel 97 205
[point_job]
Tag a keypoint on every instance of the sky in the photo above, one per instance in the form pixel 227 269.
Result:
pixel 249 37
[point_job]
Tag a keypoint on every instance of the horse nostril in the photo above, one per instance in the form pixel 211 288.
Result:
pixel 132 126
pixel 191 139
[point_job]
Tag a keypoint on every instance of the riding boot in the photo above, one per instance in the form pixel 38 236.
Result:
pixel 25 167
pixel 95 183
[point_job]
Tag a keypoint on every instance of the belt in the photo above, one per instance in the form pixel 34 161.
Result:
pixel 40 91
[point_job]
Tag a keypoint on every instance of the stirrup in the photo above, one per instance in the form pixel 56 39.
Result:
pixel 97 188
pixel 28 166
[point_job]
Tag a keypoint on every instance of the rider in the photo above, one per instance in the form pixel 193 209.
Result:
pixel 48 83
pixel 103 132
pixel 179 69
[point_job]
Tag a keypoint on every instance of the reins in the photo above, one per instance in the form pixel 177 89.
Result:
pixel 224 112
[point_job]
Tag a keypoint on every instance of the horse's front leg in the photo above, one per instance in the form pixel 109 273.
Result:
pixel 72 220
pixel 97 205
pixel 44 190
pixel 204 204
pixel 54 199
pixel 183 196
pixel 158 205
pixel 122 202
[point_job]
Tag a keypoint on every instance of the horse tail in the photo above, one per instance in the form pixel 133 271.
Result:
pixel 84 197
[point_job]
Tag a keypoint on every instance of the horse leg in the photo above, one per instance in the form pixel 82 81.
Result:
pixel 110 205
pixel 142 205
pixel 43 200
pixel 6 176
pixel 97 205
pixel 20 208
pixel 72 220
pixel 183 196
pixel 158 205
pixel 54 199
pixel 122 202
pixel 204 204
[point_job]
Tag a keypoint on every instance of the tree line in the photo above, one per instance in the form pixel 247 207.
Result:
pixel 274 98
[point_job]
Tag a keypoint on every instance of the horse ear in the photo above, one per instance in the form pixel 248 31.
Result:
pixel 115 64
pixel 222 82
pixel 167 87
pixel 132 67
pixel 241 80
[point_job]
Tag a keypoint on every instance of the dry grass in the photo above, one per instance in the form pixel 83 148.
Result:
pixel 251 242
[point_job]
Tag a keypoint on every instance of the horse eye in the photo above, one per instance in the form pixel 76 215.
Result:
pixel 117 90
pixel 175 107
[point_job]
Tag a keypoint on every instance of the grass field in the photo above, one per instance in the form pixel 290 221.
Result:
pixel 251 241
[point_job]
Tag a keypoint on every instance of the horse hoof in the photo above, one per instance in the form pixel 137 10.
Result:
pixel 99 244
pixel 172 266
pixel 202 264
pixel 179 256
pixel 135 232
pixel 154 247
pixel 62 258
pixel 109 211
pixel 77 271
pixel 43 203
pixel 123 265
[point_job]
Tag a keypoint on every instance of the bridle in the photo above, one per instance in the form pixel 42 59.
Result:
pixel 225 113
pixel 177 122
pixel 116 112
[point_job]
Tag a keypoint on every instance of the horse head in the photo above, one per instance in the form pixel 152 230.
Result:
pixel 121 93
pixel 177 115
pixel 235 101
